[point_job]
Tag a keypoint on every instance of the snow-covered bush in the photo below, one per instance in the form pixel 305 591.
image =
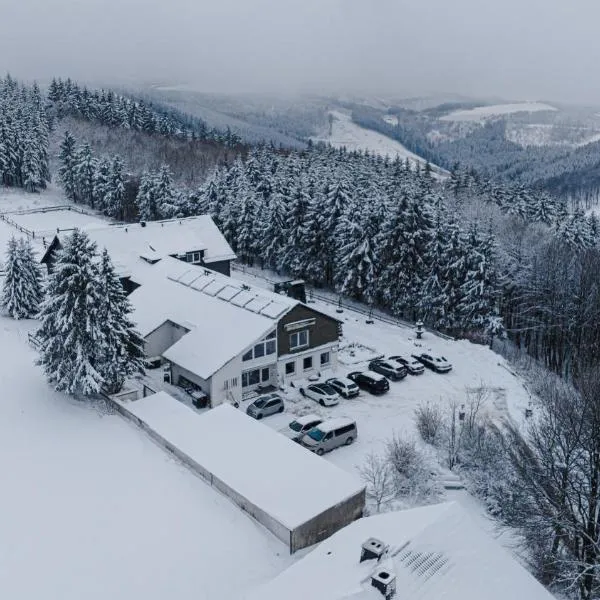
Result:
pixel 430 422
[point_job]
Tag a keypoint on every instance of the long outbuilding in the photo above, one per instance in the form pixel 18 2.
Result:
pixel 300 497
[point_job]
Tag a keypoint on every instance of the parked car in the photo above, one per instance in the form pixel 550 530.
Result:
pixel 329 435
pixel 266 405
pixel 390 368
pixel 322 393
pixel 439 364
pixel 297 428
pixel 413 366
pixel 343 386
pixel 370 381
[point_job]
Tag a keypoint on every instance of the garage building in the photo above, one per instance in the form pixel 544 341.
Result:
pixel 300 497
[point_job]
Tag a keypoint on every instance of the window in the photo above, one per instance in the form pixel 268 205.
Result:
pixel 325 358
pixel 259 350
pixel 251 378
pixel 234 382
pixel 345 429
pixel 329 435
pixel 290 368
pixel 265 374
pixel 263 348
pixel 248 355
pixel 299 339
pixel 308 363
pixel 271 335
pixel 270 346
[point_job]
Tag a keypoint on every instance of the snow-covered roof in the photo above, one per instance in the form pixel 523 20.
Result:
pixel 158 239
pixel 204 302
pixel 436 553
pixel 331 424
pixel 278 476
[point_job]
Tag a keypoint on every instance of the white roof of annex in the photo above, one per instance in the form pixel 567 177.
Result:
pixel 158 239
pixel 224 316
pixel 272 472
pixel 436 552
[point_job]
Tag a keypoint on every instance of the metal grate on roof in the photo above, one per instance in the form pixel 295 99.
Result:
pixel 424 564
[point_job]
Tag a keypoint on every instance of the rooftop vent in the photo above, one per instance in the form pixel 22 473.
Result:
pixel 385 582
pixel 372 549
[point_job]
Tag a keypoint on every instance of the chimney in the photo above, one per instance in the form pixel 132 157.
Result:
pixel 385 582
pixel 372 549
pixel 143 223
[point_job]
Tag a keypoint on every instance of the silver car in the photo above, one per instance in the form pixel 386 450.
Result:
pixel 329 435
pixel 297 428
pixel 263 406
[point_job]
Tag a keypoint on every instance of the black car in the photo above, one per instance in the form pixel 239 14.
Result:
pixel 369 381
pixel 391 369
pixel 439 364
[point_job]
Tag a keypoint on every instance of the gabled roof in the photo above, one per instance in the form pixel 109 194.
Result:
pixel 436 553
pixel 224 316
pixel 154 240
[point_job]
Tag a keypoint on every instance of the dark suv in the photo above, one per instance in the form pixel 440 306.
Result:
pixel 372 382
pixel 390 368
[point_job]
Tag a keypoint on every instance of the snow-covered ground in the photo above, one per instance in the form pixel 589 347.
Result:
pixel 46 223
pixel 13 199
pixel 91 508
pixel 346 134
pixel 485 112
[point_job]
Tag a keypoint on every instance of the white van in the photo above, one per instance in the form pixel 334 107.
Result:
pixel 330 434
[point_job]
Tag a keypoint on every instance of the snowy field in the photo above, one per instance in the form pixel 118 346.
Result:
pixel 46 223
pixel 12 199
pixel 486 112
pixel 346 134
pixel 91 508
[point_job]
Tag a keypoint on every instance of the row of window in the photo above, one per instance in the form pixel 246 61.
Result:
pixel 307 363
pixel 256 376
pixel 263 348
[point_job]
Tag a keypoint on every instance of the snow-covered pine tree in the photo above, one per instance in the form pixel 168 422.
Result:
pixel 115 198
pixel 22 289
pixel 122 345
pixel 85 168
pixel 295 251
pixel 163 192
pixel 72 336
pixel 102 182
pixel 146 200
pixel 68 163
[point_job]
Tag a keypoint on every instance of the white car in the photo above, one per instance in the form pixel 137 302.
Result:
pixel 439 364
pixel 297 428
pixel 322 393
pixel 413 366
pixel 343 386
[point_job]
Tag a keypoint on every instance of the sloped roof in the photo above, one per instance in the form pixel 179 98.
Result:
pixel 157 239
pixel 203 301
pixel 436 552
pixel 278 476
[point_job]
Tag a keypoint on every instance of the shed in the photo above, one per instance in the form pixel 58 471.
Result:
pixel 300 497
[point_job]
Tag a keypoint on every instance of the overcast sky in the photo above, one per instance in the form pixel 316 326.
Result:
pixel 521 49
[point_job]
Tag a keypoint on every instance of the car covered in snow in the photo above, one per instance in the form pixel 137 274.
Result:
pixel 390 368
pixel 370 381
pixel 265 405
pixel 298 427
pixel 439 364
pixel 413 366
pixel 322 393
pixel 343 386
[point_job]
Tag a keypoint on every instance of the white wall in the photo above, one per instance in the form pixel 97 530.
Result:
pixel 298 359
pixel 162 338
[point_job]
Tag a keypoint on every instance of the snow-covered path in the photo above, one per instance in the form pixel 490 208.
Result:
pixel 91 508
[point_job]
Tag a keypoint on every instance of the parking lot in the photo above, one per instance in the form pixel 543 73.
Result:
pixel 378 418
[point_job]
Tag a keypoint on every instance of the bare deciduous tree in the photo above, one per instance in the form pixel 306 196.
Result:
pixel 378 476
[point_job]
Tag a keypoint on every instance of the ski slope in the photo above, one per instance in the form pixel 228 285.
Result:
pixel 91 508
pixel 481 113
pixel 346 134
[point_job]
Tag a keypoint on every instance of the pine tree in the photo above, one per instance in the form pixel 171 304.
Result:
pixel 146 200
pixel 85 168
pixel 114 200
pixel 22 289
pixel 68 162
pixel 102 183
pixel 72 335
pixel 163 192
pixel 122 345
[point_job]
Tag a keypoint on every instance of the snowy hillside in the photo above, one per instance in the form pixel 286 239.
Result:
pixel 497 110
pixel 346 134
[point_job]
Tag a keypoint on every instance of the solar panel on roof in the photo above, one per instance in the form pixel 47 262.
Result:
pixel 257 304
pixel 273 310
pixel 242 298
pixel 202 282
pixel 212 289
pixel 189 277
pixel 228 292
